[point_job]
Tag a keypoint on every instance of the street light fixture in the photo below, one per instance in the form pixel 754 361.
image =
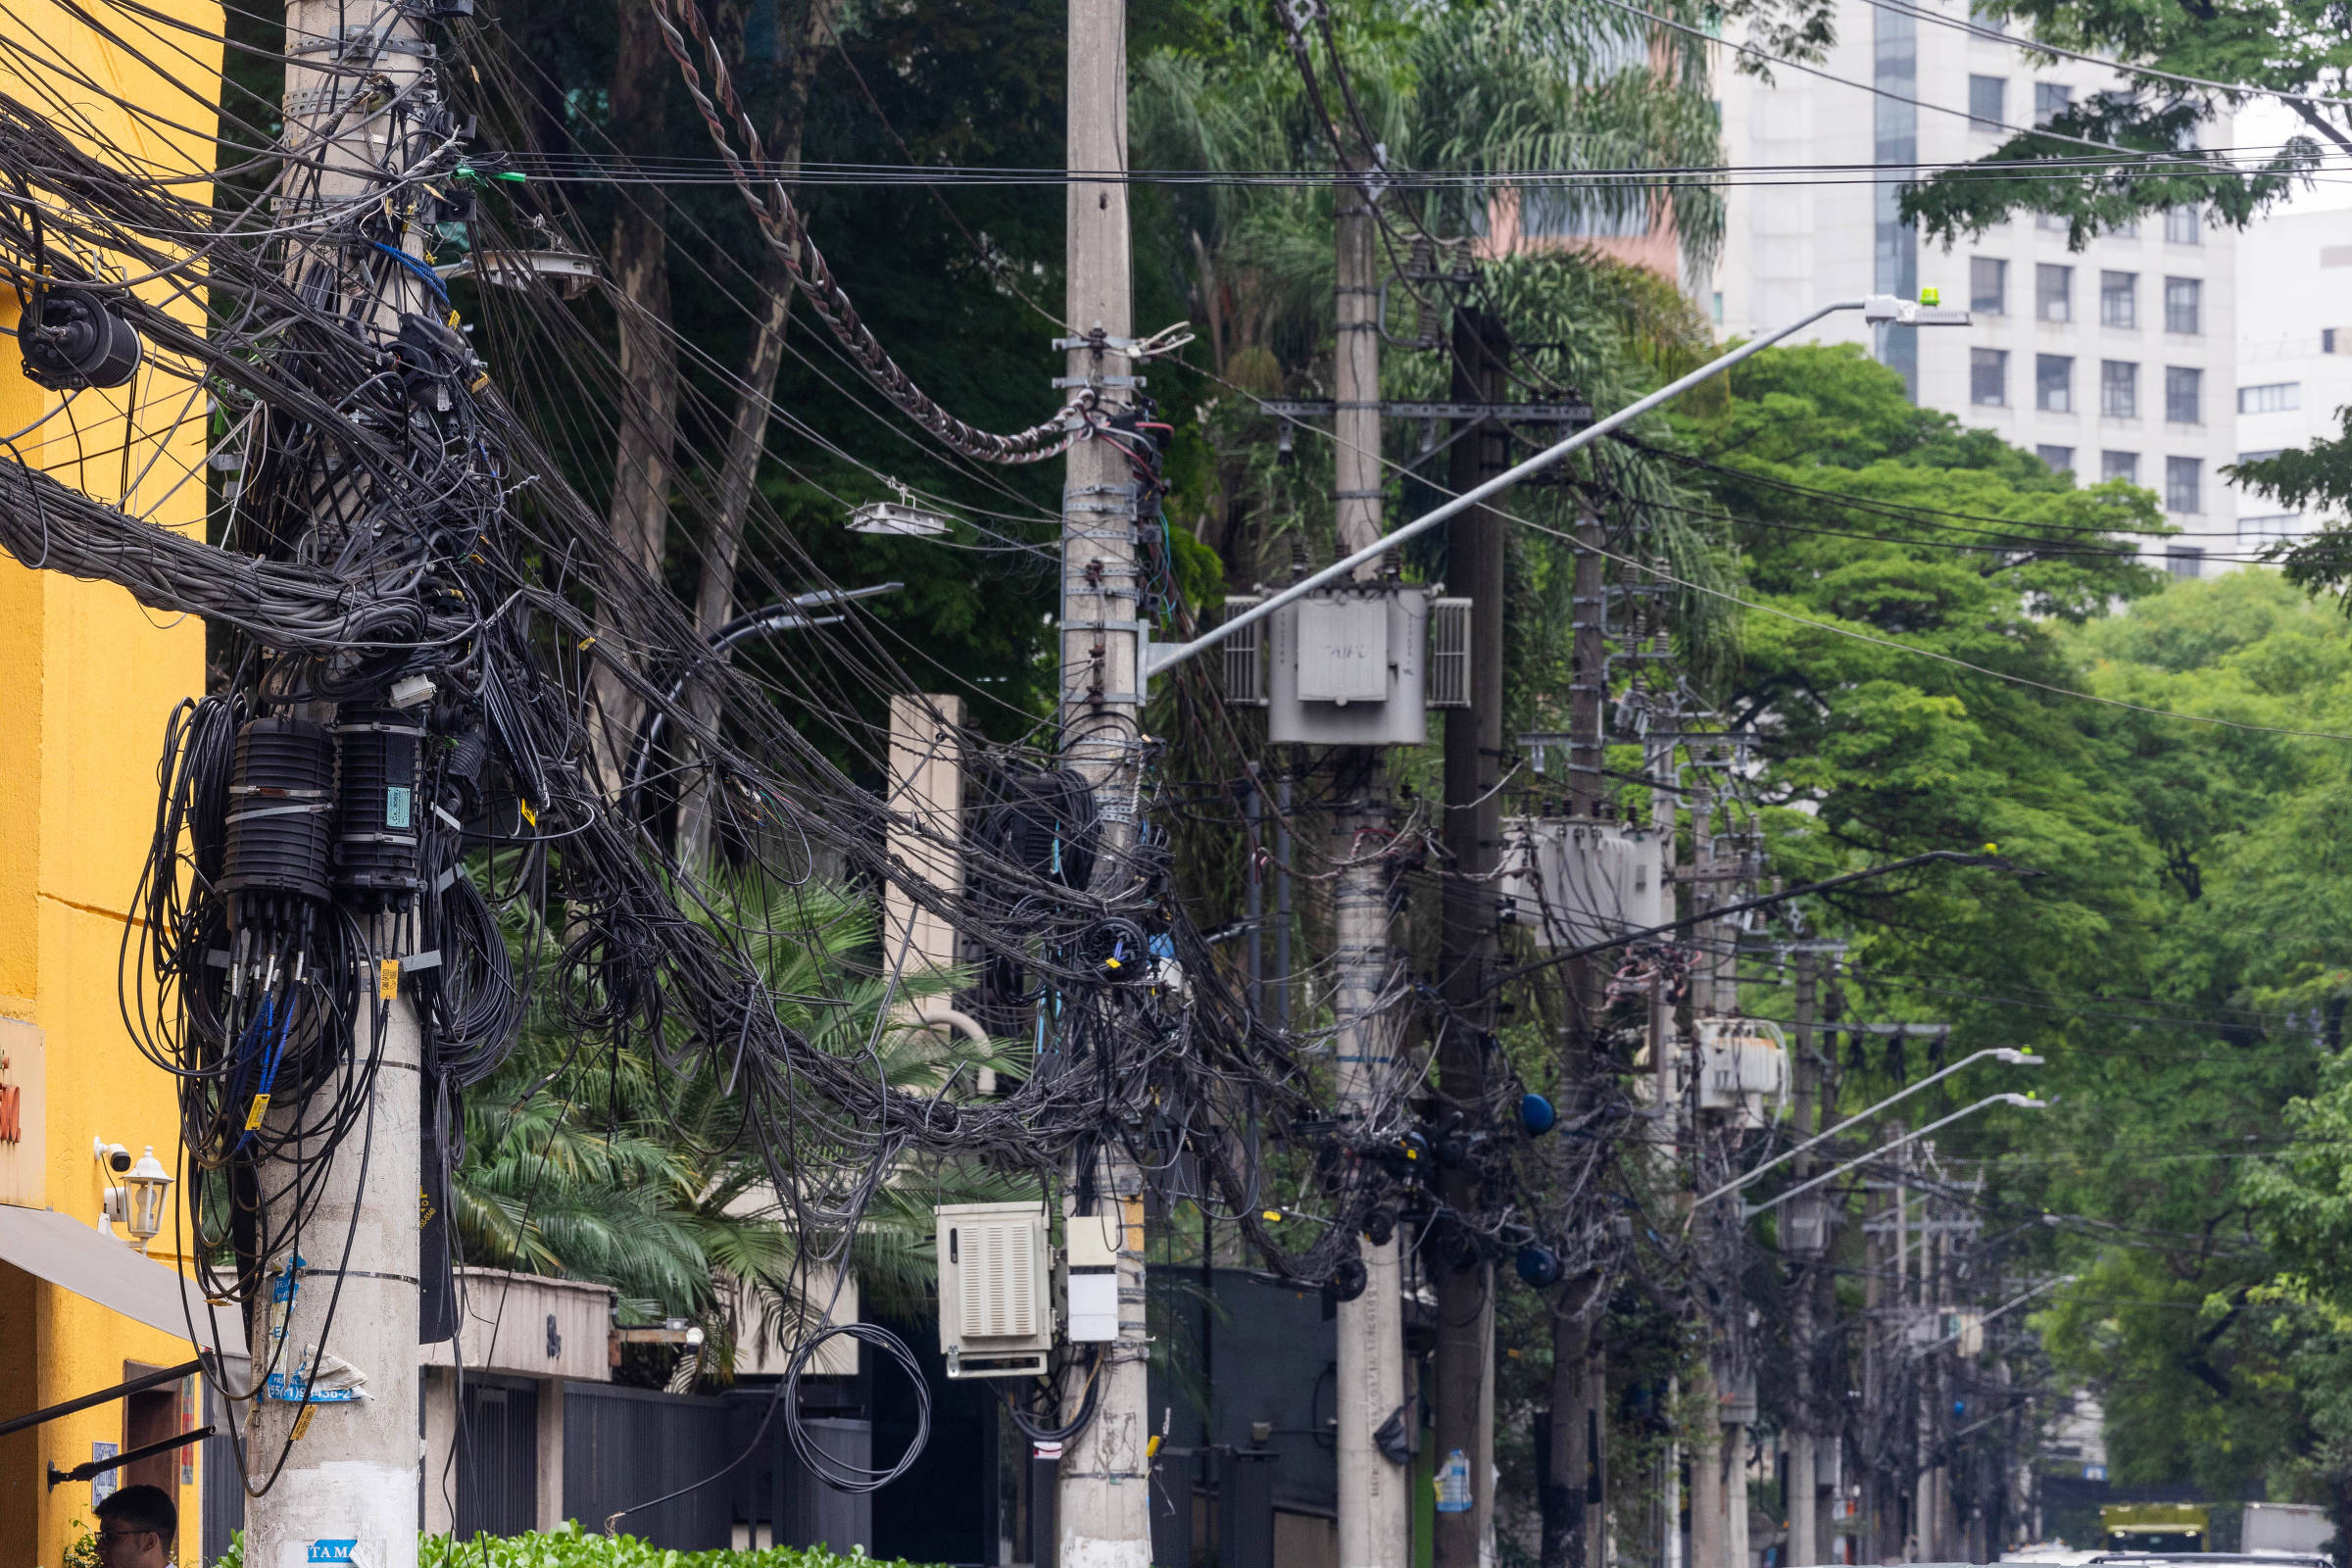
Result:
pixel 2022 1101
pixel 1876 308
pixel 2021 1059
pixel 137 1205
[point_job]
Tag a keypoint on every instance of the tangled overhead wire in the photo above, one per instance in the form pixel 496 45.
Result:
pixel 430 639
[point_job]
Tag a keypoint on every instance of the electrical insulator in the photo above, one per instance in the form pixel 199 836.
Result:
pixel 281 796
pixel 375 833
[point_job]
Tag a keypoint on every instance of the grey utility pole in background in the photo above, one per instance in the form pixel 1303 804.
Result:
pixel 1374 1517
pixel 1801 1241
pixel 351 1469
pixel 1466 964
pixel 1105 1475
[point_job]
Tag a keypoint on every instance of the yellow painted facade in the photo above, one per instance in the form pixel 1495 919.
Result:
pixel 87 677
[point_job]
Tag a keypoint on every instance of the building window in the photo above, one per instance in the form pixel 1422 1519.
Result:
pixel 2326 340
pixel 2183 395
pixel 1988 107
pixel 2183 298
pixel 2119 389
pixel 1988 376
pixel 2185 560
pixel 2053 293
pixel 2119 299
pixel 2183 225
pixel 2124 466
pixel 2264 456
pixel 2050 100
pixel 2275 397
pixel 2052 223
pixel 2054 383
pixel 2060 459
pixel 1988 285
pixel 2183 480
pixel 2269 528
pixel 2129 228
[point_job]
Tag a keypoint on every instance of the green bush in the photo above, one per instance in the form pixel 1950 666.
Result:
pixel 571 1546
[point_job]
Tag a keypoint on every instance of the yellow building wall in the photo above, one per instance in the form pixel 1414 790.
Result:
pixel 87 677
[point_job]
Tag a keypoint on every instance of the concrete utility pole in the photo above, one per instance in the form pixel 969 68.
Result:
pixel 1804 1546
pixel 351 1470
pixel 1576 1491
pixel 1464 1288
pixel 1104 1497
pixel 1375 1517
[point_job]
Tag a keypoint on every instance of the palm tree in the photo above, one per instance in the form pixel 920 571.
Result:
pixel 606 1165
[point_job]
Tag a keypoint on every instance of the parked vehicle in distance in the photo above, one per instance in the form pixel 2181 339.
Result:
pixel 2297 1527
pixel 2161 1529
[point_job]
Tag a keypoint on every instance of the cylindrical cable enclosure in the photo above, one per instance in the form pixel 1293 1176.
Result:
pixel 281 800
pixel 376 865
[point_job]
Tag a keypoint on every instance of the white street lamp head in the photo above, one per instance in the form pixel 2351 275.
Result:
pixel 147 1183
pixel 2021 1059
pixel 1926 310
pixel 892 518
pixel 2026 1102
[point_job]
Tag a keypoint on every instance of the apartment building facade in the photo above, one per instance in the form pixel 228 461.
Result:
pixel 2294 366
pixel 2117 361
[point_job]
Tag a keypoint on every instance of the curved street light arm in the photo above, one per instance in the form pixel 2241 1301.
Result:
pixel 2004 1053
pixel 2026 1102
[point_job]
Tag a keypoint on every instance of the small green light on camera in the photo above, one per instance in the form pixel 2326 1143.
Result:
pixel 1929 296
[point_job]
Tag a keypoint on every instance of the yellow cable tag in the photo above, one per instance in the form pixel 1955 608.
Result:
pixel 1151 1448
pixel 302 1422
pixel 261 1107
pixel 528 815
pixel 387 979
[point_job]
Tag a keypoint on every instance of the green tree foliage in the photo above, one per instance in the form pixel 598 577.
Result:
pixel 2175 954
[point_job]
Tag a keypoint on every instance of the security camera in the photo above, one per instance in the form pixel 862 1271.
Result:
pixel 114 1157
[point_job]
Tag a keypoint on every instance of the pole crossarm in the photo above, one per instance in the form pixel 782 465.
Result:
pixel 2006 1307
pixel 1765 901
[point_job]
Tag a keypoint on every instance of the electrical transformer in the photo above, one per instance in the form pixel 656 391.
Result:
pixel 1573 881
pixel 1356 664
pixel 1742 1067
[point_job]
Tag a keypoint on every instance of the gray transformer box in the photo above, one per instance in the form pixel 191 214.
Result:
pixel 1347 667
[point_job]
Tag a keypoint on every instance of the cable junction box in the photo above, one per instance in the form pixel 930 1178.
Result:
pixel 995 1290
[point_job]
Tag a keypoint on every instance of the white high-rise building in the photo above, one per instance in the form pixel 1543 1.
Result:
pixel 2294 352
pixel 2114 361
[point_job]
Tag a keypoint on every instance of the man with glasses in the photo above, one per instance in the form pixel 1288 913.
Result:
pixel 137 1527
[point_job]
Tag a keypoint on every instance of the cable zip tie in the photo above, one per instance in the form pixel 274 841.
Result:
pixel 314 808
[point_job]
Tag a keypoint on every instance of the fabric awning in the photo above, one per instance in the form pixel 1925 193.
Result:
pixel 73 1256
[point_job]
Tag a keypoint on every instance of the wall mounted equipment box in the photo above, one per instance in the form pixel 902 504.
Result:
pixel 996 1288
pixel 1091 1283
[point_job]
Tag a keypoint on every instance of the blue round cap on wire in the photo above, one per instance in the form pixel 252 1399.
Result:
pixel 1539 1265
pixel 1535 1115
